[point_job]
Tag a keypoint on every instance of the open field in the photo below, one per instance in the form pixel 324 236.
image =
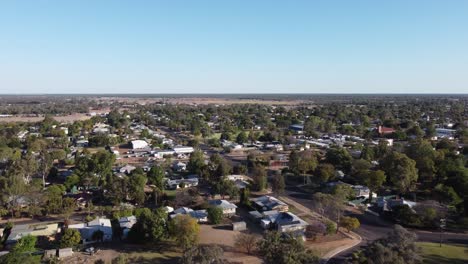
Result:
pixel 432 253
pixel 31 119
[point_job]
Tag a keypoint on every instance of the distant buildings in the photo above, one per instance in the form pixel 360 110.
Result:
pixel 385 130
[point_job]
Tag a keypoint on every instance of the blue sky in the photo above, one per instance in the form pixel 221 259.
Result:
pixel 258 46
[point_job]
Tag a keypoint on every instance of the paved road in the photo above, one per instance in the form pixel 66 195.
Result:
pixel 373 227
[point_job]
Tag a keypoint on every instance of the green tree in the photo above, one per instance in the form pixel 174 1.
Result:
pixel 136 187
pixel 245 196
pixel 241 137
pixel 196 162
pixel 374 180
pixel 259 177
pixel 54 195
pixel 25 244
pixel 401 171
pixel 156 177
pixel 150 226
pixel 203 254
pixel 325 172
pixel 70 238
pixel 278 249
pixel 72 180
pixel 340 158
pixel 215 215
pixel 398 247
pixel 185 230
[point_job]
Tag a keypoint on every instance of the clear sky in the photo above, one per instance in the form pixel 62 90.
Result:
pixel 227 46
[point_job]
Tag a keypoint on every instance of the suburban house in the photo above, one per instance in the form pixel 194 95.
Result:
pixel 268 203
pixel 200 215
pixel 40 230
pixel 284 222
pixel 360 190
pixel 179 183
pixel 87 229
pixel 229 209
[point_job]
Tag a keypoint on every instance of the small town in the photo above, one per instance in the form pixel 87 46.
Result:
pixel 233 132
pixel 130 182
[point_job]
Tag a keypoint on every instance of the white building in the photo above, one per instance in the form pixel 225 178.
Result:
pixel 139 144
pixel 229 209
pixel 183 150
pixel 87 229
pixel 235 177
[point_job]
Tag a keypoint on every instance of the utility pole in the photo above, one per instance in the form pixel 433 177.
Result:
pixel 442 225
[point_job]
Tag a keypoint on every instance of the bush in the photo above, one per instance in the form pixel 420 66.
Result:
pixel 350 223
pixel 331 227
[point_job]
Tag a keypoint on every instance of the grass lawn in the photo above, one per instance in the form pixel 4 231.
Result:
pixel 170 194
pixel 432 253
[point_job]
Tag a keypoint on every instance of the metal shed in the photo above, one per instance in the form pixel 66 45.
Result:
pixel 239 226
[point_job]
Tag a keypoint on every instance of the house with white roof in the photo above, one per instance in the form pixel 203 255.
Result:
pixel 284 222
pixel 229 209
pixel 200 215
pixel 87 229
pixel 139 144
pixel 183 150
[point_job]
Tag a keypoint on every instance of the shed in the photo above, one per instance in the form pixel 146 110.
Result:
pixel 51 253
pixel 239 226
pixel 65 252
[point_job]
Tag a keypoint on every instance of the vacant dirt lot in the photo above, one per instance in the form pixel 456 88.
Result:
pixel 225 238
